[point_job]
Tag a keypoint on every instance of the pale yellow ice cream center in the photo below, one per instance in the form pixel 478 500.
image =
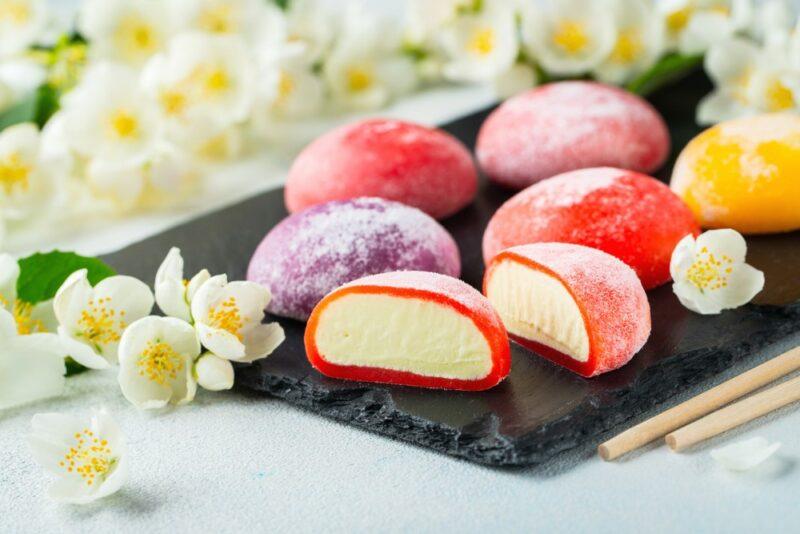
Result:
pixel 536 306
pixel 402 334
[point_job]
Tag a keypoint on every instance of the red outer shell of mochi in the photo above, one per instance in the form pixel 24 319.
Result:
pixel 444 290
pixel 423 167
pixel 609 295
pixel 315 251
pixel 626 214
pixel 565 126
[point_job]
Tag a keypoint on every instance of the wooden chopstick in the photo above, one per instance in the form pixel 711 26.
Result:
pixel 701 405
pixel 734 415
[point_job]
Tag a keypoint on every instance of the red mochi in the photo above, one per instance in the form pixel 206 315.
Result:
pixel 390 330
pixel 626 214
pixel 422 167
pixel 566 126
pixel 609 303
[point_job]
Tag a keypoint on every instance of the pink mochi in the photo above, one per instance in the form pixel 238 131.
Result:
pixel 566 126
pixel 423 167
pixel 312 252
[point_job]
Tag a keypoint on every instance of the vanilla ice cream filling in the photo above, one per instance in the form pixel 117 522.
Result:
pixel 402 334
pixel 537 306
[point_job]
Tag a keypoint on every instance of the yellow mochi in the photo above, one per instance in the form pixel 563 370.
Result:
pixel 744 174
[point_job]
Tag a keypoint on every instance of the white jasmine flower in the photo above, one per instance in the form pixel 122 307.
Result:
pixel 289 87
pixel 710 274
pixel 30 318
pixel 156 356
pixel 92 319
pixel 214 373
pixel 129 31
pixel 773 20
pixel 173 292
pixel 202 84
pixel 692 26
pixel 639 41
pixel 569 37
pixel 308 24
pixel 22 22
pixel 31 366
pixel 26 180
pixel 106 118
pixel 163 179
pixel 21 76
pixel 482 45
pixel 425 19
pixel 517 79
pixel 744 455
pixel 748 80
pixel 228 319
pixel 730 65
pixel 245 18
pixel 86 453
pixel 365 69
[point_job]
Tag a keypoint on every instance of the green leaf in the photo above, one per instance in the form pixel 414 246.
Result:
pixel 22 111
pixel 37 107
pixel 73 367
pixel 283 4
pixel 43 273
pixel 668 69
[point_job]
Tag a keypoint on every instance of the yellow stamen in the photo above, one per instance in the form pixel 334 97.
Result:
pixel 159 362
pixel 359 79
pixel 708 272
pixel 217 81
pixel 14 173
pixel 89 457
pixel 99 324
pixel 778 96
pixel 226 317
pixel 678 19
pixel 571 36
pixel 286 86
pixel 173 102
pixel 136 37
pixel 628 47
pixel 217 19
pixel 481 42
pixel 14 12
pixel 123 124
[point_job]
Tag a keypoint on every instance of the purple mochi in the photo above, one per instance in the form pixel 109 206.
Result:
pixel 311 253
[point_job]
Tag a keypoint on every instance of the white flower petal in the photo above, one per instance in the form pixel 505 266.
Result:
pixel 730 60
pixel 87 454
pixel 195 283
pixel 214 373
pixel 8 325
pixel 744 283
pixel 81 352
pixel 156 357
pixel 694 300
pixel 262 340
pixel 725 242
pixel 29 370
pixel 515 80
pixel 221 342
pixel 719 106
pixel 9 272
pixel 744 455
pixel 71 298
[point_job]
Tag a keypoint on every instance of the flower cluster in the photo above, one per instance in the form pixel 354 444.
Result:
pixel 209 323
pixel 757 71
pixel 138 98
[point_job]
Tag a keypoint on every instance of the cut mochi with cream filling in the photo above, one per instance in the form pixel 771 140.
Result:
pixel 536 306
pixel 402 334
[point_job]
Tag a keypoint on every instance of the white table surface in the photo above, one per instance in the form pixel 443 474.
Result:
pixel 234 463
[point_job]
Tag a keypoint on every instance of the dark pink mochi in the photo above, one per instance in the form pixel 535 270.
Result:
pixel 312 252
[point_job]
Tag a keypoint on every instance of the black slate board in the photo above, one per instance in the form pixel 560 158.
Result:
pixel 540 410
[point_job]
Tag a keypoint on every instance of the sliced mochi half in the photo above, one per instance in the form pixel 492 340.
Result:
pixel 576 306
pixel 409 328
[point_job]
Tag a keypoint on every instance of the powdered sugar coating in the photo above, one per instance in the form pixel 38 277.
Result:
pixel 311 253
pixel 423 167
pixel 565 126
pixel 629 215
pixel 608 292
pixel 447 286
